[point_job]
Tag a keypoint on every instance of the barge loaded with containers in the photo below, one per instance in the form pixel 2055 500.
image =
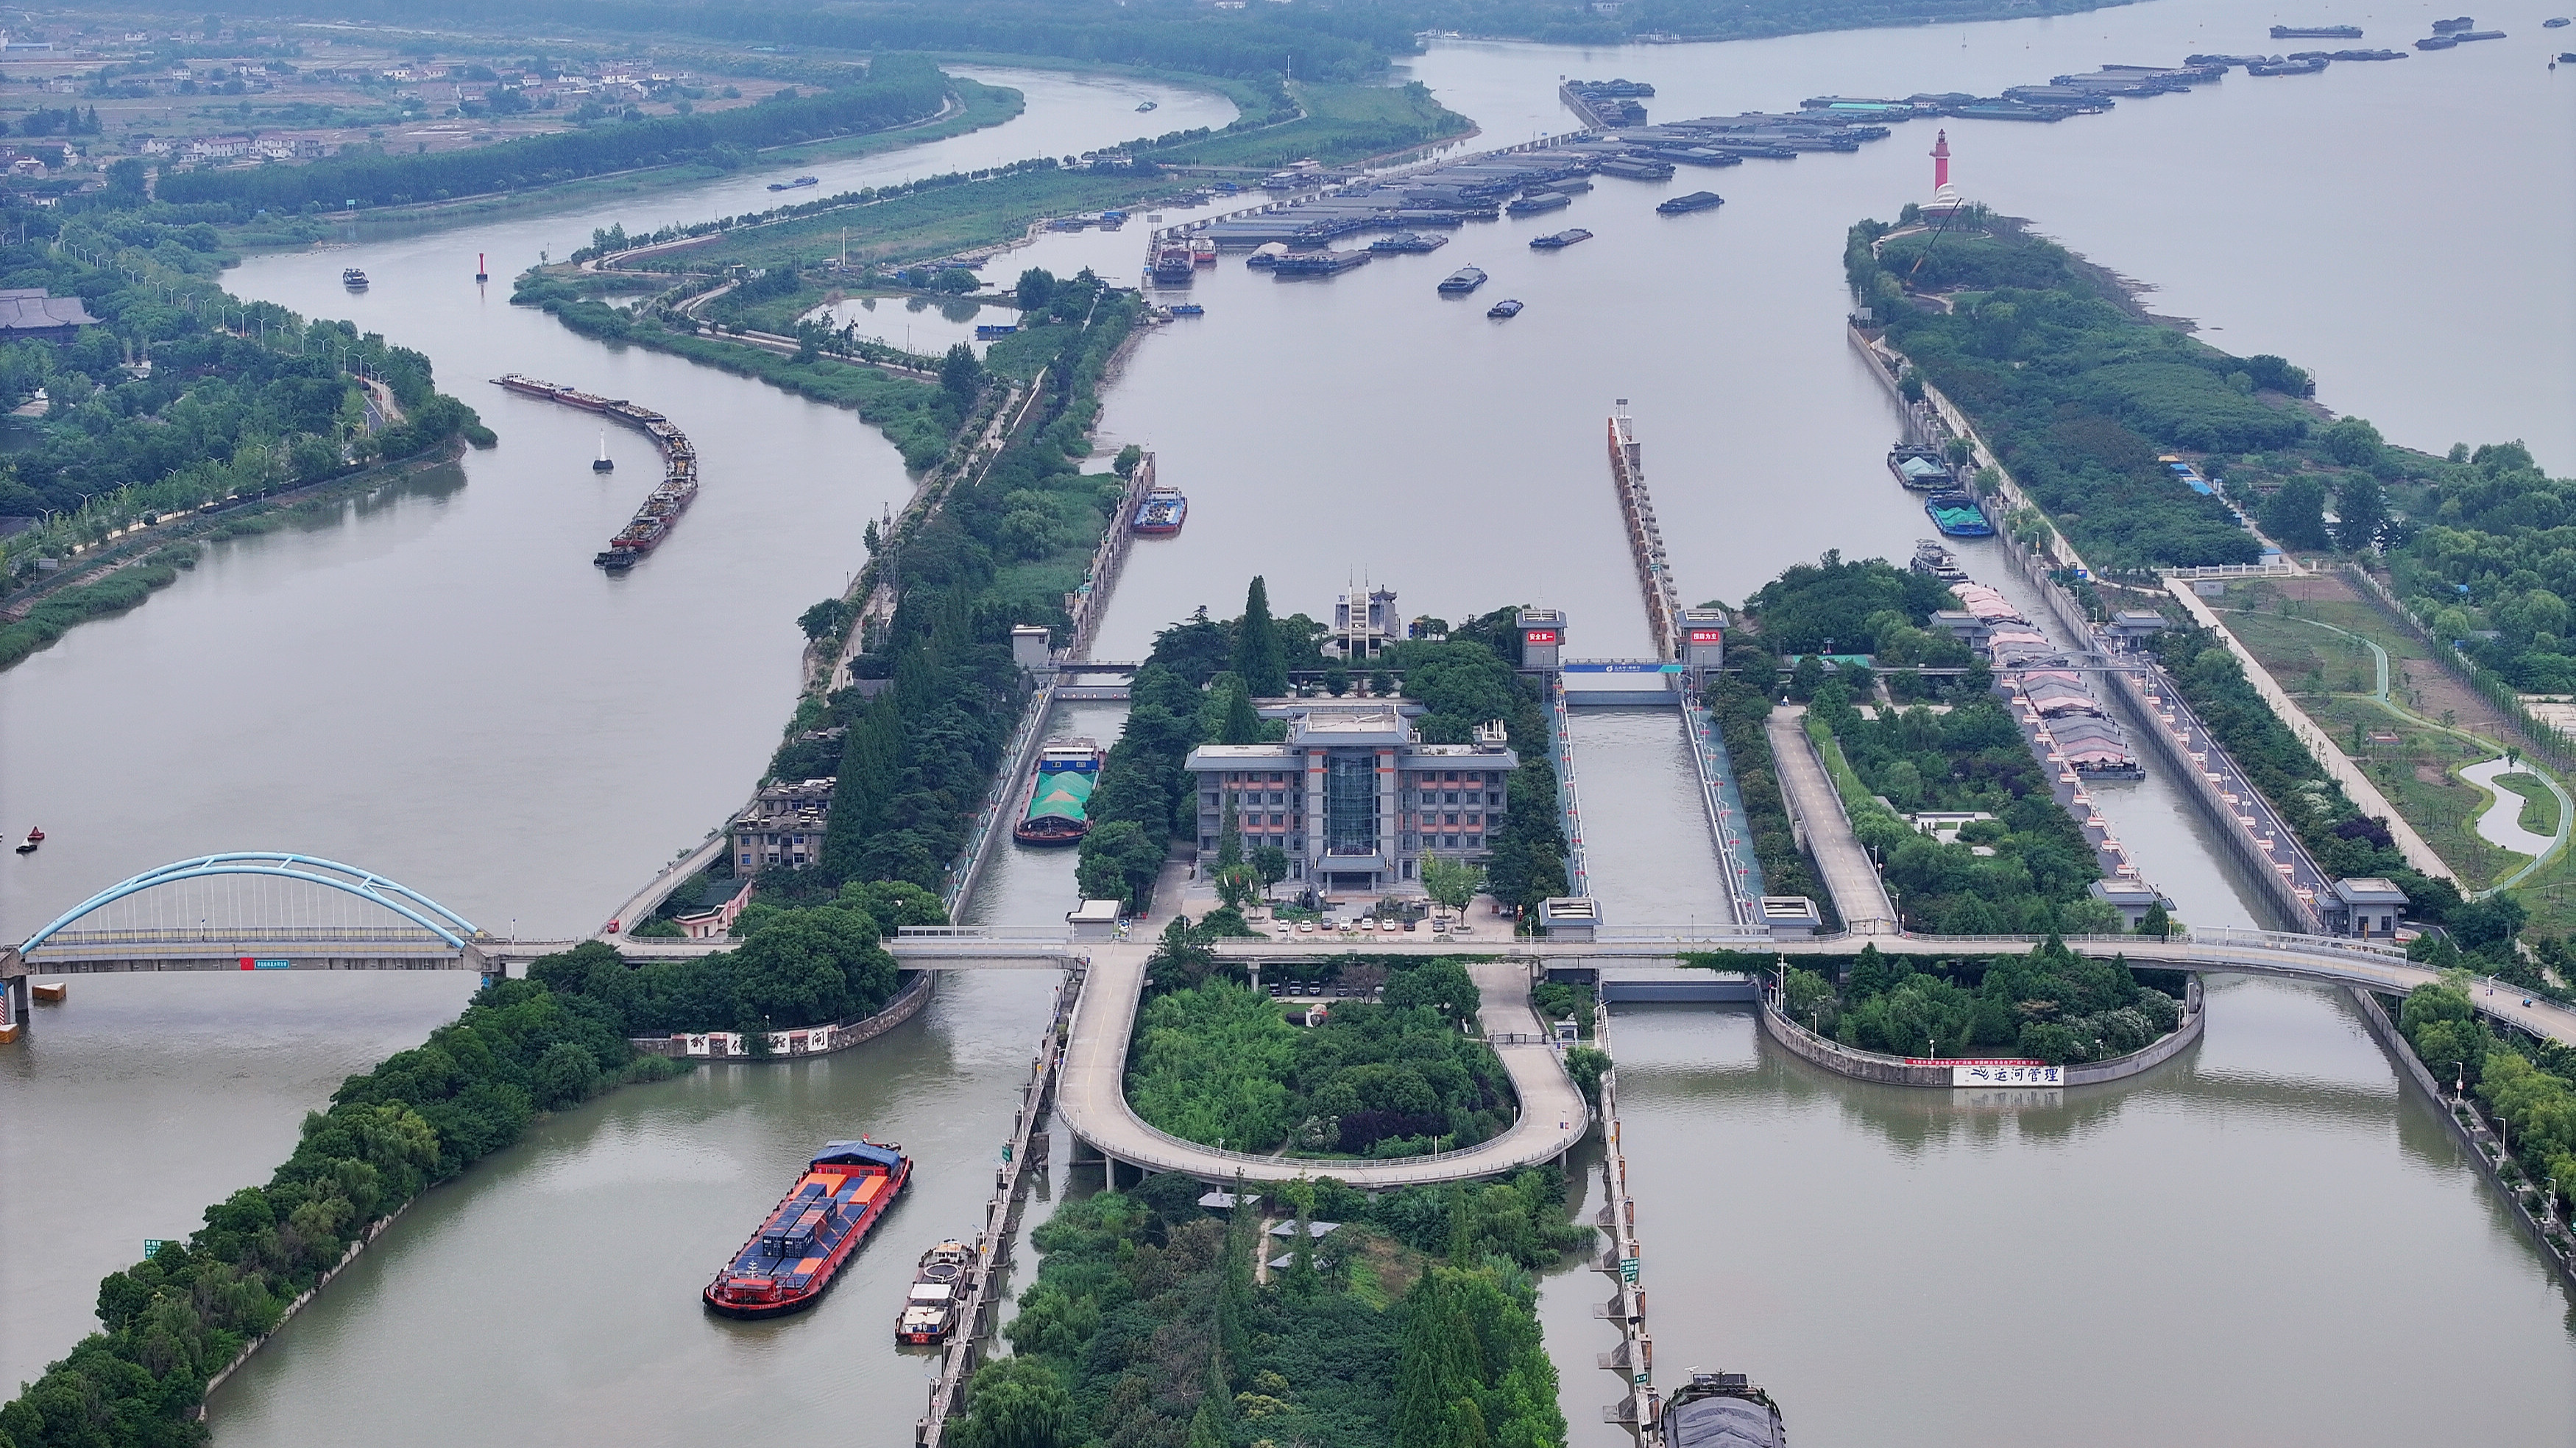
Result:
pixel 1162 512
pixel 811 1234
pixel 663 506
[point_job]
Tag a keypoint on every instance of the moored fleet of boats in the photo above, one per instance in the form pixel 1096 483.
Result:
pixel 663 506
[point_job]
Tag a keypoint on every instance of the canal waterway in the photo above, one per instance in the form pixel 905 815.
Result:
pixel 436 684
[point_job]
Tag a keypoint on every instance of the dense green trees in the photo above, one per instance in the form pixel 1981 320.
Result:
pixel 2529 1086
pixel 1258 660
pixel 896 89
pixel 2498 553
pixel 2052 1004
pixel 1833 606
pixel 1218 1063
pixel 1146 1317
pixel 216 414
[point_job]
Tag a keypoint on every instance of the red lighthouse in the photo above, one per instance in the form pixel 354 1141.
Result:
pixel 1940 160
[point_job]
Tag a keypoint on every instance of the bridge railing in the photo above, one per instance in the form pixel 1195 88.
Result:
pixel 229 935
pixel 1047 934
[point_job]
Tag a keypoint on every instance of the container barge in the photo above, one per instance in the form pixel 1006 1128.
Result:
pixel 1162 512
pixel 663 506
pixel 1057 808
pixel 811 1234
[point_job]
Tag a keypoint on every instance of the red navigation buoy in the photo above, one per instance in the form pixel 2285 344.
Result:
pixel 480 273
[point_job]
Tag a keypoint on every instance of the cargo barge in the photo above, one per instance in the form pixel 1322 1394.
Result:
pixel 811 1234
pixel 1408 243
pixel 663 506
pixel 931 1308
pixel 1544 201
pixel 1695 201
pixel 1318 263
pixel 1559 240
pixel 1921 469
pixel 2316 32
pixel 1162 512
pixel 1057 809
pixel 1721 1410
pixel 1957 515
pixel 1462 281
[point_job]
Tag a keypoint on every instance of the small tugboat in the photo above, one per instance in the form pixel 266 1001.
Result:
pixel 1930 557
pixel 792 1260
pixel 35 837
pixel 352 278
pixel 1162 512
pixel 1057 809
pixel 930 1308
pixel 1504 310
pixel 603 463
pixel 1722 1410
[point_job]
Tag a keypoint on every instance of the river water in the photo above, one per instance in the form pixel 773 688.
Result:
pixel 437 685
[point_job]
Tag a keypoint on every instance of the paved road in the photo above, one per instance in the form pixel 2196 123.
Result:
pixel 1093 1100
pixel 1849 876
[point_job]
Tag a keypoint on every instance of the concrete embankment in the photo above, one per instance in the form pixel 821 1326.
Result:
pixel 793 1045
pixel 1888 1070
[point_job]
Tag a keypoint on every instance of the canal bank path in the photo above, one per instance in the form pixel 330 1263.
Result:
pixel 1859 895
pixel 1092 1095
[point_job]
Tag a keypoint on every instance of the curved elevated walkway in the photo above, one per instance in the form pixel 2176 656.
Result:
pixel 1092 1094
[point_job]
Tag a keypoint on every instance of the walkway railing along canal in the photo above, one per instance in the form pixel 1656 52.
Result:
pixel 1569 806
pixel 976 1316
pixel 1624 1260
pixel 1717 795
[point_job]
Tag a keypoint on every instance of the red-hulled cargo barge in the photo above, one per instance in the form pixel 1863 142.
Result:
pixel 792 1260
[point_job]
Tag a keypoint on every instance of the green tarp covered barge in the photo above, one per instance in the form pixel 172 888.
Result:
pixel 1058 808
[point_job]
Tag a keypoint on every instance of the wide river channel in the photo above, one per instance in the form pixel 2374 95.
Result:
pixel 2250 1245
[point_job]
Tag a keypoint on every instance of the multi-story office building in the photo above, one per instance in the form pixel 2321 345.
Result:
pixel 1353 795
